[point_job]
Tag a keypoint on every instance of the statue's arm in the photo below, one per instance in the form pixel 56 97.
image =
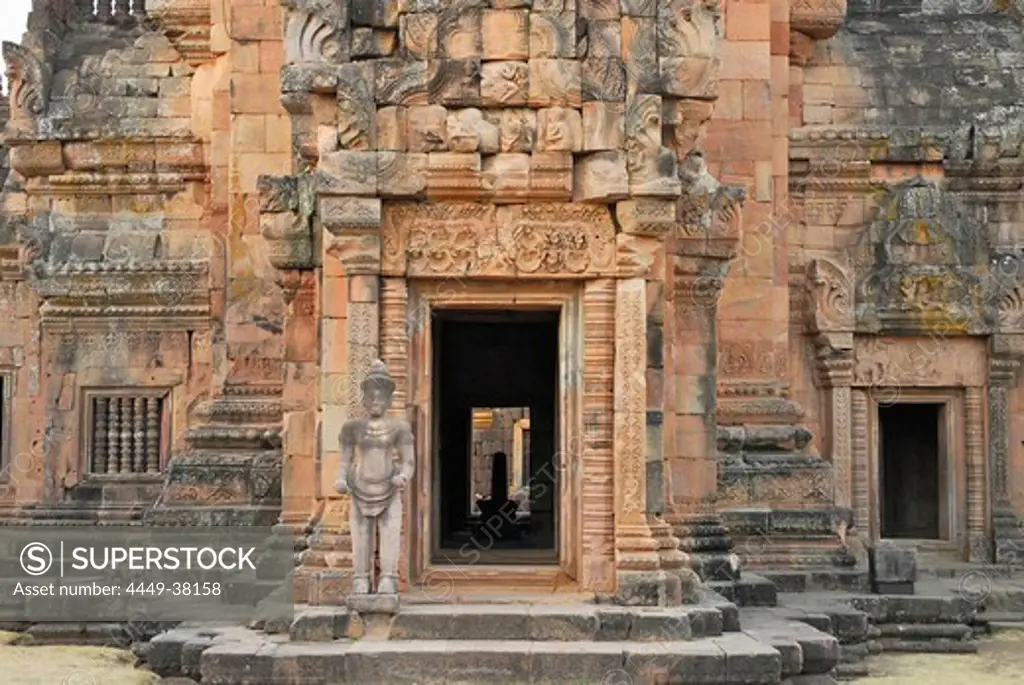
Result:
pixel 407 452
pixel 346 443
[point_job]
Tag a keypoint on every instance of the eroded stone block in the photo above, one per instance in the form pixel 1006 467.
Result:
pixel 602 79
pixel 554 82
pixel 506 177
pixel 402 82
pixel 552 35
pixel 427 128
pixel 418 35
pixel 459 33
pixel 454 175
pixel 893 568
pixel 348 172
pixel 604 126
pixel 377 13
pixel 601 177
pixel 559 129
pixel 504 83
pixel 506 34
pixel 454 82
pixel 392 124
pixel 551 175
pixel 517 130
pixel 402 174
pixel 367 42
pixel 469 131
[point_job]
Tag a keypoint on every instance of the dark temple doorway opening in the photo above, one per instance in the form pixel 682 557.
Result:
pixel 913 479
pixel 495 395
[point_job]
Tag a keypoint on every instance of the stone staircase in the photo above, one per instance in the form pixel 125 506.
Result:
pixel 509 642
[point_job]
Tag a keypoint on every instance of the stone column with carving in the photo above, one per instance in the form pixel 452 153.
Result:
pixel 1007 532
pixel 831 322
pixel 641 580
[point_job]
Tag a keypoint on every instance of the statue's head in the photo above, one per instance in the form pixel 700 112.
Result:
pixel 378 388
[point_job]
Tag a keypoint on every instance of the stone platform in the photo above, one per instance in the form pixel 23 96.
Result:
pixel 812 637
pixel 517 642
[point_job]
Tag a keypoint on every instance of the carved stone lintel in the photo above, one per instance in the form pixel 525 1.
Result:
pixel 469 239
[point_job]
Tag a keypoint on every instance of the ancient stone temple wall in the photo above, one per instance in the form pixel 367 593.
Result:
pixel 217 215
pixel 148 347
pixel 906 157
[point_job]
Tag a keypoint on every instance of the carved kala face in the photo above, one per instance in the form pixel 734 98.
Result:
pixel 377 399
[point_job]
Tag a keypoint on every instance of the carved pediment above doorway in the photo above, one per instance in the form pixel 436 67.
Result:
pixel 922 264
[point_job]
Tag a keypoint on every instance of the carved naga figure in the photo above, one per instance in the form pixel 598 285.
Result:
pixel 377 461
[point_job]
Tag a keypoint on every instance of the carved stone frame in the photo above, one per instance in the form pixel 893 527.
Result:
pixel 86 419
pixel 850 412
pixel 425 297
pixel 953 431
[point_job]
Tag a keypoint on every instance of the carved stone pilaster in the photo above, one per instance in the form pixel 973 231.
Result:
pixel 637 553
pixel 1008 535
pixel 830 318
pixel 978 548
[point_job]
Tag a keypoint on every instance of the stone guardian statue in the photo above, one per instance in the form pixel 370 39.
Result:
pixel 377 462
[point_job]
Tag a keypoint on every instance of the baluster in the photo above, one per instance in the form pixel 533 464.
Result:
pixel 139 446
pixel 126 435
pixel 139 8
pixel 99 435
pixel 121 8
pixel 103 10
pixel 114 436
pixel 152 435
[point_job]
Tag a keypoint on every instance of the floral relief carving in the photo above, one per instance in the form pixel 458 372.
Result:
pixel 831 294
pixel 465 238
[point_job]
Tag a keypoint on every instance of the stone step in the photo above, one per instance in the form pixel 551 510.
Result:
pixel 915 608
pixel 925 631
pixel 551 622
pixel 737 659
pixel 813 580
pixel 940 646
pixel 805 650
pixel 751 590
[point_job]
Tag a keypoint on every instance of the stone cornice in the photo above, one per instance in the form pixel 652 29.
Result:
pixel 187 24
pixel 162 295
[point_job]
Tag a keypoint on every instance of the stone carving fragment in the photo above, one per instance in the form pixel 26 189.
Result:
pixel 29 80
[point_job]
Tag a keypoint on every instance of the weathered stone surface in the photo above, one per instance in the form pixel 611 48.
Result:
pixel 893 568
pixel 601 177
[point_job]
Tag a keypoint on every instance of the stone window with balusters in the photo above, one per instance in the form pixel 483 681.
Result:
pixel 126 431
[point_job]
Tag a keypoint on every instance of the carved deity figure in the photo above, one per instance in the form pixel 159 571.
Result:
pixel 377 461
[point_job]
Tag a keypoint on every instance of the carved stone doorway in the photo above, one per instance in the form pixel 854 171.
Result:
pixel 919 471
pixel 913 477
pixel 491 366
pixel 439 314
